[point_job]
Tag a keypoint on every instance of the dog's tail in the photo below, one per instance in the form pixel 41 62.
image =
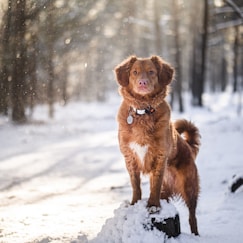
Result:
pixel 190 133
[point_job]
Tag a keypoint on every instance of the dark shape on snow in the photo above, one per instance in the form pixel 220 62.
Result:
pixel 170 226
pixel 238 182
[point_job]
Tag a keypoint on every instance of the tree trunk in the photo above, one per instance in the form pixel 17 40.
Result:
pixel 128 27
pixel 224 74
pixel 204 54
pixel 157 28
pixel 50 67
pixel 239 109
pixel 64 82
pixel 5 63
pixel 194 65
pixel 178 83
pixel 199 59
pixel 18 82
pixel 32 67
pixel 236 54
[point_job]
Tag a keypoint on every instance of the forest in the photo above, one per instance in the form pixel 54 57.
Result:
pixel 63 177
pixel 56 51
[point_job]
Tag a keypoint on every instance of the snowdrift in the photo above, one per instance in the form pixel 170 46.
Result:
pixel 132 223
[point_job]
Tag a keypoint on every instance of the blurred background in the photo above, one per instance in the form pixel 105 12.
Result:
pixel 56 50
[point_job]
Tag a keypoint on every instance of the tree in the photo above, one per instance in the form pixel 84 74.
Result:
pixel 19 51
pixel 50 57
pixel 69 48
pixel 5 61
pixel 15 57
pixel 204 53
pixel 178 66
pixel 157 27
pixel 236 58
pixel 31 73
pixel 199 59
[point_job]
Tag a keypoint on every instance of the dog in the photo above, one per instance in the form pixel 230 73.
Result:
pixel 150 142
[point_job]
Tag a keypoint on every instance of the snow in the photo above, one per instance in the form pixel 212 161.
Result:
pixel 64 180
pixel 130 222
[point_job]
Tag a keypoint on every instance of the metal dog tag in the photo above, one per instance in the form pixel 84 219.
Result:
pixel 129 119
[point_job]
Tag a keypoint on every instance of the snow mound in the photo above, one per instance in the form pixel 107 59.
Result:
pixel 132 224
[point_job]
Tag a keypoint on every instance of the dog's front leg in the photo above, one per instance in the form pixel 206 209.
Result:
pixel 135 181
pixel 134 172
pixel 156 177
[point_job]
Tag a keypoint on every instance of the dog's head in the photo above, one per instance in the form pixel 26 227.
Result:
pixel 144 76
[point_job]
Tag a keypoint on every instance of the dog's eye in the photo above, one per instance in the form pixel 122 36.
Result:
pixel 151 72
pixel 135 72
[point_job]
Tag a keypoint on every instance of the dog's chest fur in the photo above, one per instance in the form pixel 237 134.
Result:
pixel 142 140
pixel 140 151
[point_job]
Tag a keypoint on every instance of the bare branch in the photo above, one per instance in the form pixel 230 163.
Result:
pixel 223 10
pixel 235 7
pixel 225 25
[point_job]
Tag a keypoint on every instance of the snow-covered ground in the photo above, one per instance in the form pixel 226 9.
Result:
pixel 62 179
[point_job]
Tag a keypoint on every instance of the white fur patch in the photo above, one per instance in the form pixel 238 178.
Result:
pixel 139 150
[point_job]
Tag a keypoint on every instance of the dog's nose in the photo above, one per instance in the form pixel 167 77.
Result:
pixel 142 82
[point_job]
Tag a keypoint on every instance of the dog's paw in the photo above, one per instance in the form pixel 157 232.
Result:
pixel 154 209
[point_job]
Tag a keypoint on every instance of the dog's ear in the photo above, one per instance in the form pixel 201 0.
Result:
pixel 165 70
pixel 123 69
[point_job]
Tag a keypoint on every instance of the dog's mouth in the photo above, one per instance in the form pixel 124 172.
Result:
pixel 143 90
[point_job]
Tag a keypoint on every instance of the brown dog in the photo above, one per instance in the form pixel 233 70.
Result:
pixel 150 142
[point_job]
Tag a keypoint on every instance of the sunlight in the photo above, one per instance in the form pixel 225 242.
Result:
pixel 59 3
pixel 218 3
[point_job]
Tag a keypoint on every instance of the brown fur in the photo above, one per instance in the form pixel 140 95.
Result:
pixel 152 144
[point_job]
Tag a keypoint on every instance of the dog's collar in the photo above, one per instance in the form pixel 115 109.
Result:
pixel 149 110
